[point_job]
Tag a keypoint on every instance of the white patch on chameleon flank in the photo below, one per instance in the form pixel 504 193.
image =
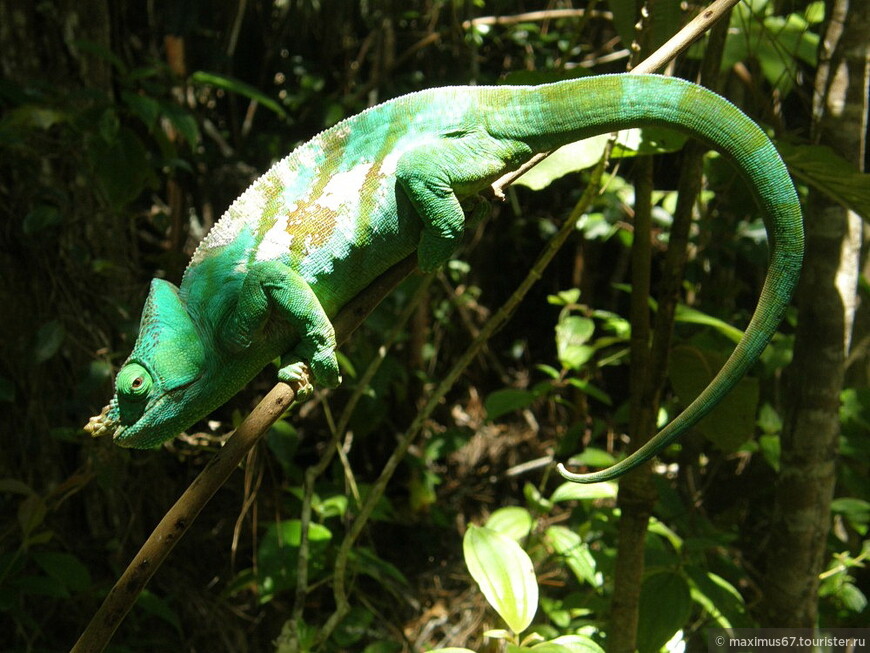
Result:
pixel 344 187
pixel 391 161
pixel 287 175
pixel 306 157
pixel 246 210
pixel 276 243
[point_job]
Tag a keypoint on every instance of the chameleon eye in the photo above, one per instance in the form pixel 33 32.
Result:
pixel 134 381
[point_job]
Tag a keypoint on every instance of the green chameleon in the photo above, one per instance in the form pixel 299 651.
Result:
pixel 324 222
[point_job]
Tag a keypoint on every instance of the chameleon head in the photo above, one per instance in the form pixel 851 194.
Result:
pixel 155 387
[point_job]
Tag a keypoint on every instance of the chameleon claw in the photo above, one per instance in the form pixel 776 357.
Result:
pixel 297 374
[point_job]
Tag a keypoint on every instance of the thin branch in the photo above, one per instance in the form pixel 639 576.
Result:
pixel 534 17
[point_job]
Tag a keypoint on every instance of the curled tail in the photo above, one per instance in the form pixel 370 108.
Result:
pixel 615 102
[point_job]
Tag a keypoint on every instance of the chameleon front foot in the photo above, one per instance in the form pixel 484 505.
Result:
pixel 297 373
pixel 322 366
pixel 102 424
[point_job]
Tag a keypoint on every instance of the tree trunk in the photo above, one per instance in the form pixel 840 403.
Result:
pixel 826 308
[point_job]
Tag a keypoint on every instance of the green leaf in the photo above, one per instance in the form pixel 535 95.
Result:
pixel 183 121
pixel 828 172
pixel 855 510
pixel 102 52
pixel 592 390
pixel 565 160
pixel 7 390
pixel 504 573
pixel 31 513
pixel 41 217
pixel 352 628
pixel 689 315
pixel 144 107
pixel 851 597
pixel 575 552
pixel 535 499
pixel 568 644
pixel 64 568
pixel 15 486
pixel 572 334
pixel 121 167
pixel 569 491
pixel 513 521
pixel 507 400
pixel 771 449
pixel 777 43
pixel 49 338
pixel 153 604
pixel 593 457
pixel 279 552
pixel 387 646
pixel 365 561
pixel 41 586
pixel 665 607
pixel 769 420
pixel 718 597
pixel 234 85
pixel 732 422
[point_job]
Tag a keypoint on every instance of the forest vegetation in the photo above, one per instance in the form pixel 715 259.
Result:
pixel 127 128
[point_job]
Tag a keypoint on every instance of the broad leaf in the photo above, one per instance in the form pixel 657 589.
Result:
pixel 732 422
pixel 504 573
pixel 513 521
pixel 828 172
pixel 665 608
pixel 581 492
pixel 507 400
pixel 575 552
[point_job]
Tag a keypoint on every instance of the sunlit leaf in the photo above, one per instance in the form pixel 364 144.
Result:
pixel 237 86
pixel 572 334
pixel 504 573
pixel 513 521
pixel 575 553
pixel 582 492
pixel 568 644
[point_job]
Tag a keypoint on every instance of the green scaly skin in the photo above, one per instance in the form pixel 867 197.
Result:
pixel 321 224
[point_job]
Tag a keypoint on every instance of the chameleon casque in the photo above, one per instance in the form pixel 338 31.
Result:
pixel 324 222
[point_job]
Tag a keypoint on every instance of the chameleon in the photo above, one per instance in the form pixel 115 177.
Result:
pixel 321 224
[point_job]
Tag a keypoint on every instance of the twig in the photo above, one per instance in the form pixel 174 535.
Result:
pixel 534 16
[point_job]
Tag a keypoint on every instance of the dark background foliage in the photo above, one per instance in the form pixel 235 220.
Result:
pixel 127 128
